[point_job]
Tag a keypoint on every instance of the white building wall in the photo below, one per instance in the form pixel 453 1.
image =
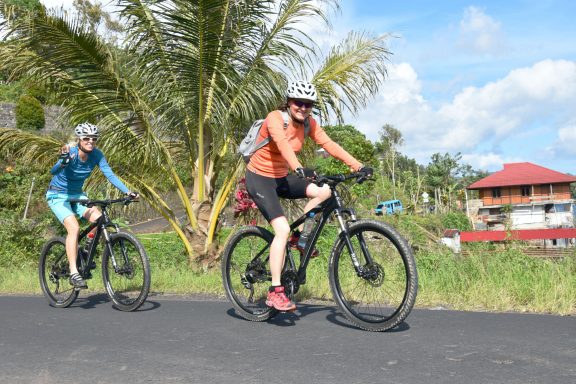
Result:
pixel 528 217
pixel 535 217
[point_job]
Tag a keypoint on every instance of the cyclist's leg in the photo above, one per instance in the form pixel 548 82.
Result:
pixel 300 188
pixel 278 247
pixel 317 195
pixel 92 215
pixel 64 211
pixel 72 229
pixel 265 193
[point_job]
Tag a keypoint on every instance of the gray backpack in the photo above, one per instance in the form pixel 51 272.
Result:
pixel 248 145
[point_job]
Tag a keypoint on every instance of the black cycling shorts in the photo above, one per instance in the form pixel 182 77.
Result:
pixel 265 191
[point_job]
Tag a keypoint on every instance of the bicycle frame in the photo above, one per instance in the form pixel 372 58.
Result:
pixel 332 206
pixel 101 226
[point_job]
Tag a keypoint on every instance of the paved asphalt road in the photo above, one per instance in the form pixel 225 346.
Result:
pixel 179 340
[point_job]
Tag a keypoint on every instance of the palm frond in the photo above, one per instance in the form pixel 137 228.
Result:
pixel 29 147
pixel 356 69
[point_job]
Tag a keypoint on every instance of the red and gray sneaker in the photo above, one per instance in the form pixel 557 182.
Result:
pixel 278 299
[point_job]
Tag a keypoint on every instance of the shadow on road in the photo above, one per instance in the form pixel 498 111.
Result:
pixel 93 301
pixel 289 319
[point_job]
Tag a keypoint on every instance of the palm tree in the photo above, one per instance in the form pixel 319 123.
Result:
pixel 187 75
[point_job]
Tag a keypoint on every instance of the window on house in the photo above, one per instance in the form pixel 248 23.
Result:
pixel 496 192
pixel 525 190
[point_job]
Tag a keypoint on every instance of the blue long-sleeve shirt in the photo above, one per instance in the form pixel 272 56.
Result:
pixel 70 179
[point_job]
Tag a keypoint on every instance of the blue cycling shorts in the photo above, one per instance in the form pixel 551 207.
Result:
pixel 62 208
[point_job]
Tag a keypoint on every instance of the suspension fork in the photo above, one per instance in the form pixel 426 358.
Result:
pixel 108 242
pixel 345 233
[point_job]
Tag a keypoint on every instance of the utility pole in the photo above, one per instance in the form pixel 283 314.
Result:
pixel 29 197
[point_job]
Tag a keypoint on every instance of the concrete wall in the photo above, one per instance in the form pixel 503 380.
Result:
pixel 52 114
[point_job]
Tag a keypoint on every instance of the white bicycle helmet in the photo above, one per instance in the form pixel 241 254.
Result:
pixel 86 129
pixel 301 90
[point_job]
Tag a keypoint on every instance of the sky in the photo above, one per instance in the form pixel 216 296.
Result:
pixel 494 80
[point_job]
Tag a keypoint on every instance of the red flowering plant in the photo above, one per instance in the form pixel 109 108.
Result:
pixel 245 210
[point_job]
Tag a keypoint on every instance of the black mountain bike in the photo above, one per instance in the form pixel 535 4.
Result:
pixel 125 266
pixel 372 272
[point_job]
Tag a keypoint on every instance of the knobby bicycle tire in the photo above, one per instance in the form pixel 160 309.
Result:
pixel 385 295
pixel 128 286
pixel 54 271
pixel 246 285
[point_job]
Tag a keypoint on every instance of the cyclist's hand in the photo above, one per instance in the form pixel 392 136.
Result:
pixel 367 171
pixel 306 173
pixel 133 195
pixel 65 157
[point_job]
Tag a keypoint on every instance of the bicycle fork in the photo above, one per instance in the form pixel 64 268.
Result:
pixel 126 268
pixel 360 269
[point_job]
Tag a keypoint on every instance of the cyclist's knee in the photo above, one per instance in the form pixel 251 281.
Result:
pixel 92 214
pixel 325 192
pixel 281 227
pixel 316 192
pixel 71 225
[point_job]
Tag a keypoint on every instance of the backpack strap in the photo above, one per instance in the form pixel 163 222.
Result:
pixel 286 118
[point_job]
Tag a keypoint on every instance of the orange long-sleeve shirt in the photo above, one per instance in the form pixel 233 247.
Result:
pixel 279 156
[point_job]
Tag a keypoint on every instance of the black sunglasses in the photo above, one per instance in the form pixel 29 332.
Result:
pixel 300 103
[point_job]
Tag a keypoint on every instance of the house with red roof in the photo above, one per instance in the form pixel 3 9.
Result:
pixel 523 196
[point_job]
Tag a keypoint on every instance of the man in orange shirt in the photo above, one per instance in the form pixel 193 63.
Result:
pixel 267 177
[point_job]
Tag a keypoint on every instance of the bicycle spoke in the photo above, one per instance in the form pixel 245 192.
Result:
pixel 126 272
pixel 383 293
pixel 245 273
pixel 54 273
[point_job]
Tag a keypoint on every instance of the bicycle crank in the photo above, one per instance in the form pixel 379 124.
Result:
pixel 290 282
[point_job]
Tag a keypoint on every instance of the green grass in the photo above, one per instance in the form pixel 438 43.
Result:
pixel 499 281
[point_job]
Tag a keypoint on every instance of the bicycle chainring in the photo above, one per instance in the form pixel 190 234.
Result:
pixel 290 282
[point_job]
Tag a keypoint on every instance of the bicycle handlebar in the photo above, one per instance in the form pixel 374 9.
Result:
pixel 101 203
pixel 337 179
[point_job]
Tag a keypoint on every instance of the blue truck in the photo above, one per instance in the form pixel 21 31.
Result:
pixel 388 207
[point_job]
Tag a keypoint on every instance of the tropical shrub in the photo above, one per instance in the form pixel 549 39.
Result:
pixel 29 113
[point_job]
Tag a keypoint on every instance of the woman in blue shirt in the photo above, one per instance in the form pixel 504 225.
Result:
pixel 75 164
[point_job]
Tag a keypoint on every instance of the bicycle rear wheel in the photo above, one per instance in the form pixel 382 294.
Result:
pixel 246 273
pixel 384 294
pixel 127 283
pixel 54 271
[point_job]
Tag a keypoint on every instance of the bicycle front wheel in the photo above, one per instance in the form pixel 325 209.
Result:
pixel 126 271
pixel 246 273
pixel 54 271
pixel 382 295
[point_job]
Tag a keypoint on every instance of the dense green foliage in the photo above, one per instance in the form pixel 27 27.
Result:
pixel 29 113
pixel 356 144
pixel 456 220
pixel 10 92
pixel 21 238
